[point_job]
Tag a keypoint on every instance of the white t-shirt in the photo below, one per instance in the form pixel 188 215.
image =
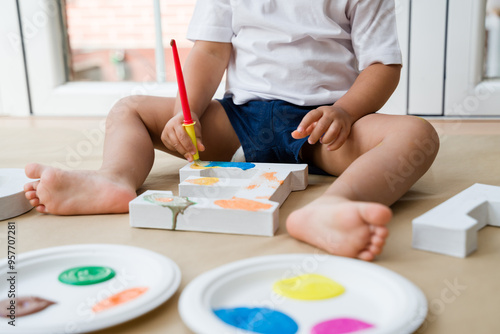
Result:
pixel 306 52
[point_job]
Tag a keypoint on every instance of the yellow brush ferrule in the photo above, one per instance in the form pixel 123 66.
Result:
pixel 190 131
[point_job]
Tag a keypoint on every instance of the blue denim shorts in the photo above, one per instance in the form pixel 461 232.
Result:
pixel 265 128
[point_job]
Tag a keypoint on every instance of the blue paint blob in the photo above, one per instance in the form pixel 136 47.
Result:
pixel 242 165
pixel 258 320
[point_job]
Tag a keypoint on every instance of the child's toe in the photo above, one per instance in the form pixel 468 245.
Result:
pixel 33 170
pixel 41 208
pixel 377 241
pixel 366 255
pixel 35 201
pixel 30 186
pixel 30 194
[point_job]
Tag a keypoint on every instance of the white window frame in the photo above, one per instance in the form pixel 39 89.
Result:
pixel 14 97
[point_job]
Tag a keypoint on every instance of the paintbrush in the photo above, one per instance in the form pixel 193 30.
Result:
pixel 188 120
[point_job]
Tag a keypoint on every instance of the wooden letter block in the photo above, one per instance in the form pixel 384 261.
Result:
pixel 238 198
pixel 451 228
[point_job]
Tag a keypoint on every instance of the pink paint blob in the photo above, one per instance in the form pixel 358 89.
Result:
pixel 340 326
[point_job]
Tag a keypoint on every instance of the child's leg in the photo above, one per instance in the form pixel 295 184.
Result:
pixel 382 158
pixel 133 130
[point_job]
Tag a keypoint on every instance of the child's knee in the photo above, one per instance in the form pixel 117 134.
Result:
pixel 423 137
pixel 127 103
pixel 126 106
pixel 426 133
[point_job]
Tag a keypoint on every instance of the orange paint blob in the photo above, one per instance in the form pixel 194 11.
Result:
pixel 270 176
pixel 242 204
pixel 204 181
pixel 266 178
pixel 119 298
pixel 164 199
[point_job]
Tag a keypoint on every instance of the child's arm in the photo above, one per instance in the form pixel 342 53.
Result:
pixel 203 72
pixel 331 125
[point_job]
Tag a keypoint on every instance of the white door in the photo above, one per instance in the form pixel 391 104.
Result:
pixel 14 96
pixel 452 58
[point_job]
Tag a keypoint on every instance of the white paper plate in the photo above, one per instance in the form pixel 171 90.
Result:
pixel 373 294
pixel 37 275
pixel 12 200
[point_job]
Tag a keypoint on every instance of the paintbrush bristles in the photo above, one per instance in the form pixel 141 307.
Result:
pixel 200 163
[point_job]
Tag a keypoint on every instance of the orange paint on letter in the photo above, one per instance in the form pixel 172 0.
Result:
pixel 119 298
pixel 164 199
pixel 270 176
pixel 242 204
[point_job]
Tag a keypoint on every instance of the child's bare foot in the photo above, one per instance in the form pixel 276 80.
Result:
pixel 75 192
pixel 342 227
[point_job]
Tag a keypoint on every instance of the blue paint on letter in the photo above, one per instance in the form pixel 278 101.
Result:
pixel 258 320
pixel 242 165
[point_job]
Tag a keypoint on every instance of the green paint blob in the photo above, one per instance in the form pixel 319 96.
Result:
pixel 175 203
pixel 86 275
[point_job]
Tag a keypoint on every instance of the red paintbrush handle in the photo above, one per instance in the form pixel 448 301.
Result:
pixel 182 87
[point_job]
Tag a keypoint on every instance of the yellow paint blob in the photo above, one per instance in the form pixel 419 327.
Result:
pixel 197 165
pixel 308 287
pixel 204 181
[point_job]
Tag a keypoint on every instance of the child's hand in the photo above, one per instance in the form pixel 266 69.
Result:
pixel 176 139
pixel 330 125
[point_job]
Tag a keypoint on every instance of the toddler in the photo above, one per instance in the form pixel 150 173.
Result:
pixel 304 80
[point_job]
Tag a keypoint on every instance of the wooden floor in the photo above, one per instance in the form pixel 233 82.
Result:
pixel 470 153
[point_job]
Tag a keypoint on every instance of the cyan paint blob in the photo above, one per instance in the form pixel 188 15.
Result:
pixel 258 320
pixel 222 164
pixel 340 326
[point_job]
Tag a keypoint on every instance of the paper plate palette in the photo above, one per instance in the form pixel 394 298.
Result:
pixel 241 297
pixel 134 269
pixel 12 200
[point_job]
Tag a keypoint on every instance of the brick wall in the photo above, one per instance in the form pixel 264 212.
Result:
pixel 99 30
pixel 125 24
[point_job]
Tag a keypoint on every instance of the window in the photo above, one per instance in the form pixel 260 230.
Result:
pixel 81 56
pixel 449 54
pixel 113 41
